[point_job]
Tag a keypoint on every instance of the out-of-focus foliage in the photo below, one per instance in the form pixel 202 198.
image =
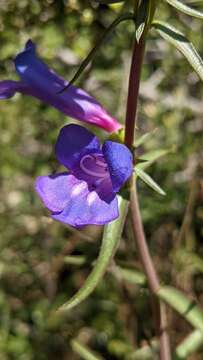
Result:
pixel 37 273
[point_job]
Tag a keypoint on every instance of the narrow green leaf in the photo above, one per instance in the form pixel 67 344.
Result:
pixel 84 352
pixel 139 31
pixel 189 345
pixel 149 352
pixel 90 56
pixel 150 158
pixel 75 260
pixel 148 180
pixel 189 260
pixel 185 8
pixel 185 307
pixel 141 19
pixel 110 240
pixel 154 155
pixel 177 39
pixel 142 139
pixel 109 1
pixel 132 276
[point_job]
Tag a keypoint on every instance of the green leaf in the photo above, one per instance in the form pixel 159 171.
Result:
pixel 154 155
pixel 148 180
pixel 109 1
pixel 141 19
pixel 92 53
pixel 185 8
pixel 150 158
pixel 142 139
pixel 189 345
pixel 78 260
pixel 149 352
pixel 110 240
pixel 84 352
pixel 177 39
pixel 189 260
pixel 132 276
pixel 185 307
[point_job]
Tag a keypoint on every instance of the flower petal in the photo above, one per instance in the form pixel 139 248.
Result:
pixel 73 142
pixel 119 160
pixel 54 190
pixel 87 208
pixel 8 88
pixel 45 84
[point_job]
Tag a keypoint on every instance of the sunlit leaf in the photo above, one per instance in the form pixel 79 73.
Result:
pixel 78 260
pixel 142 139
pixel 189 345
pixel 141 19
pixel 83 351
pixel 111 237
pixel 132 276
pixel 154 155
pixel 185 8
pixel 177 39
pixel 92 53
pixel 189 260
pixel 184 306
pixel 109 1
pixel 149 181
pixel 148 352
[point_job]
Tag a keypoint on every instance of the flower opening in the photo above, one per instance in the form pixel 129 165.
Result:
pixel 86 194
pixel 39 81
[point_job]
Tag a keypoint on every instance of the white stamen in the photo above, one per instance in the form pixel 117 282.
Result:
pixel 100 163
pixel 91 172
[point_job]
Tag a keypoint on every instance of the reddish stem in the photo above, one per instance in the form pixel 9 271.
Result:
pixel 153 281
pixel 133 91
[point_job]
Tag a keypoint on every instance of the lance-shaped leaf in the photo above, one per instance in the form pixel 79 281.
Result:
pixel 185 8
pixel 189 345
pixel 90 56
pixel 109 1
pixel 83 351
pixel 143 138
pixel 151 352
pixel 132 276
pixel 150 158
pixel 154 155
pixel 189 260
pixel 148 180
pixel 110 240
pixel 179 40
pixel 77 260
pixel 148 352
pixel 142 19
pixel 184 306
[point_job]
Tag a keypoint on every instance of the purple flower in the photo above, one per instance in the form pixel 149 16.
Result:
pixel 87 193
pixel 43 83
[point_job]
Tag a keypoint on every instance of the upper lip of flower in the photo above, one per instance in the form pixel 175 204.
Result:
pixel 87 194
pixel 43 83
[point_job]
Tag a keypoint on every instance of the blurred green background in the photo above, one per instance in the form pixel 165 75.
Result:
pixel 37 274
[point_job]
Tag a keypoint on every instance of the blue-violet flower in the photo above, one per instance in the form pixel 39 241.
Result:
pixel 86 194
pixel 43 83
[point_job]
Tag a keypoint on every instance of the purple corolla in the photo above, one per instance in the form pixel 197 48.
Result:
pixel 86 194
pixel 43 83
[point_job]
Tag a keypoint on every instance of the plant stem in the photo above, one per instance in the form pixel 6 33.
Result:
pixel 153 281
pixel 133 91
